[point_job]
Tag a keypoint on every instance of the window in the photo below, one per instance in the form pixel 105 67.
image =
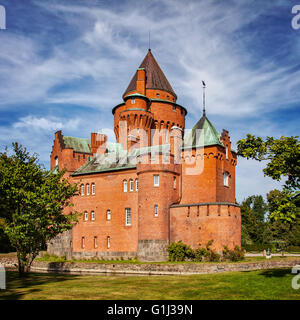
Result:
pixel 93 188
pixel 108 215
pixel 82 242
pixel 125 185
pixel 82 189
pixel 93 215
pixel 174 108
pixel 174 182
pixel 136 184
pixel 86 216
pixel 128 217
pixel 132 101
pixel 226 152
pixel 157 95
pixel 226 176
pixel 155 210
pixel 95 242
pixel 56 161
pixel 108 242
pixel 87 189
pixel 130 185
pixel 156 180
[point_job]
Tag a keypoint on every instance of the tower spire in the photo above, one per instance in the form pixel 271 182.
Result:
pixel 204 86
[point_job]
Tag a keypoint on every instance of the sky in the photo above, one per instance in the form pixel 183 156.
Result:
pixel 65 64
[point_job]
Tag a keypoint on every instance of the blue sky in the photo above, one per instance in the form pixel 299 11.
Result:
pixel 65 65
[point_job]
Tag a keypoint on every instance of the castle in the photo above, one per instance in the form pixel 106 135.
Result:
pixel 154 185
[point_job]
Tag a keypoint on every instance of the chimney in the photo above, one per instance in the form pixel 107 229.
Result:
pixel 141 81
pixel 98 143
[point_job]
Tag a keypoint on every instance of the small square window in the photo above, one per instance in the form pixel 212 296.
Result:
pixel 156 180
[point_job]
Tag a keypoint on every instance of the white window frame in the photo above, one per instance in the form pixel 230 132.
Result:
pixel 87 189
pixel 108 215
pixel 130 185
pixel 136 184
pixel 127 216
pixel 155 210
pixel 86 216
pixel 93 188
pixel 93 215
pixel 82 189
pixel 226 179
pixel 156 181
pixel 124 185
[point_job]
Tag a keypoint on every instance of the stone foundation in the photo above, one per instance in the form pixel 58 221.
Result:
pixel 126 255
pixel 153 250
pixel 61 245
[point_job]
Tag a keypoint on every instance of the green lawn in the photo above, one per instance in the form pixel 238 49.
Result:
pixel 263 284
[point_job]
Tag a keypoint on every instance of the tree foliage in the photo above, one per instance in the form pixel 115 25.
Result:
pixel 283 162
pixel 32 203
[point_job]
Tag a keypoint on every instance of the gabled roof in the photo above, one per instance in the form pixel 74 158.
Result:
pixel 77 144
pixel 155 78
pixel 203 134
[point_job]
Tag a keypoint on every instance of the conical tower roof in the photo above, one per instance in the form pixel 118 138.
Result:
pixel 155 78
pixel 206 136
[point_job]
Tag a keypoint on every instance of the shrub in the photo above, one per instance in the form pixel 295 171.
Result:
pixel 179 251
pixel 236 254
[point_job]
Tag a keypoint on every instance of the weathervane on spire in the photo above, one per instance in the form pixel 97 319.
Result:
pixel 204 86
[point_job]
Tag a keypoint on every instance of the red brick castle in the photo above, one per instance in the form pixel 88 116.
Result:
pixel 154 185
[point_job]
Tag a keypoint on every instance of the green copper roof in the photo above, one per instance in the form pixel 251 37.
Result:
pixel 203 134
pixel 77 144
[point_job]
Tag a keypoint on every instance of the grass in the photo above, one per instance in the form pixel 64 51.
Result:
pixel 248 285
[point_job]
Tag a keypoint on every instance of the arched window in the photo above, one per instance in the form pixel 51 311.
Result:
pixel 87 189
pixel 136 184
pixel 108 215
pixel 56 161
pixel 82 242
pixel 108 242
pixel 128 216
pixel 125 185
pixel 93 215
pixel 156 180
pixel 226 179
pixel 226 152
pixel 93 188
pixel 82 189
pixel 174 182
pixel 95 242
pixel 130 185
pixel 86 216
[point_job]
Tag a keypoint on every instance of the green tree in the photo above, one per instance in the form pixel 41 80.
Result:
pixel 253 211
pixel 283 162
pixel 32 203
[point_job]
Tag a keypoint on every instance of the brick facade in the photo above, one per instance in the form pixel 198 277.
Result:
pixel 193 201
